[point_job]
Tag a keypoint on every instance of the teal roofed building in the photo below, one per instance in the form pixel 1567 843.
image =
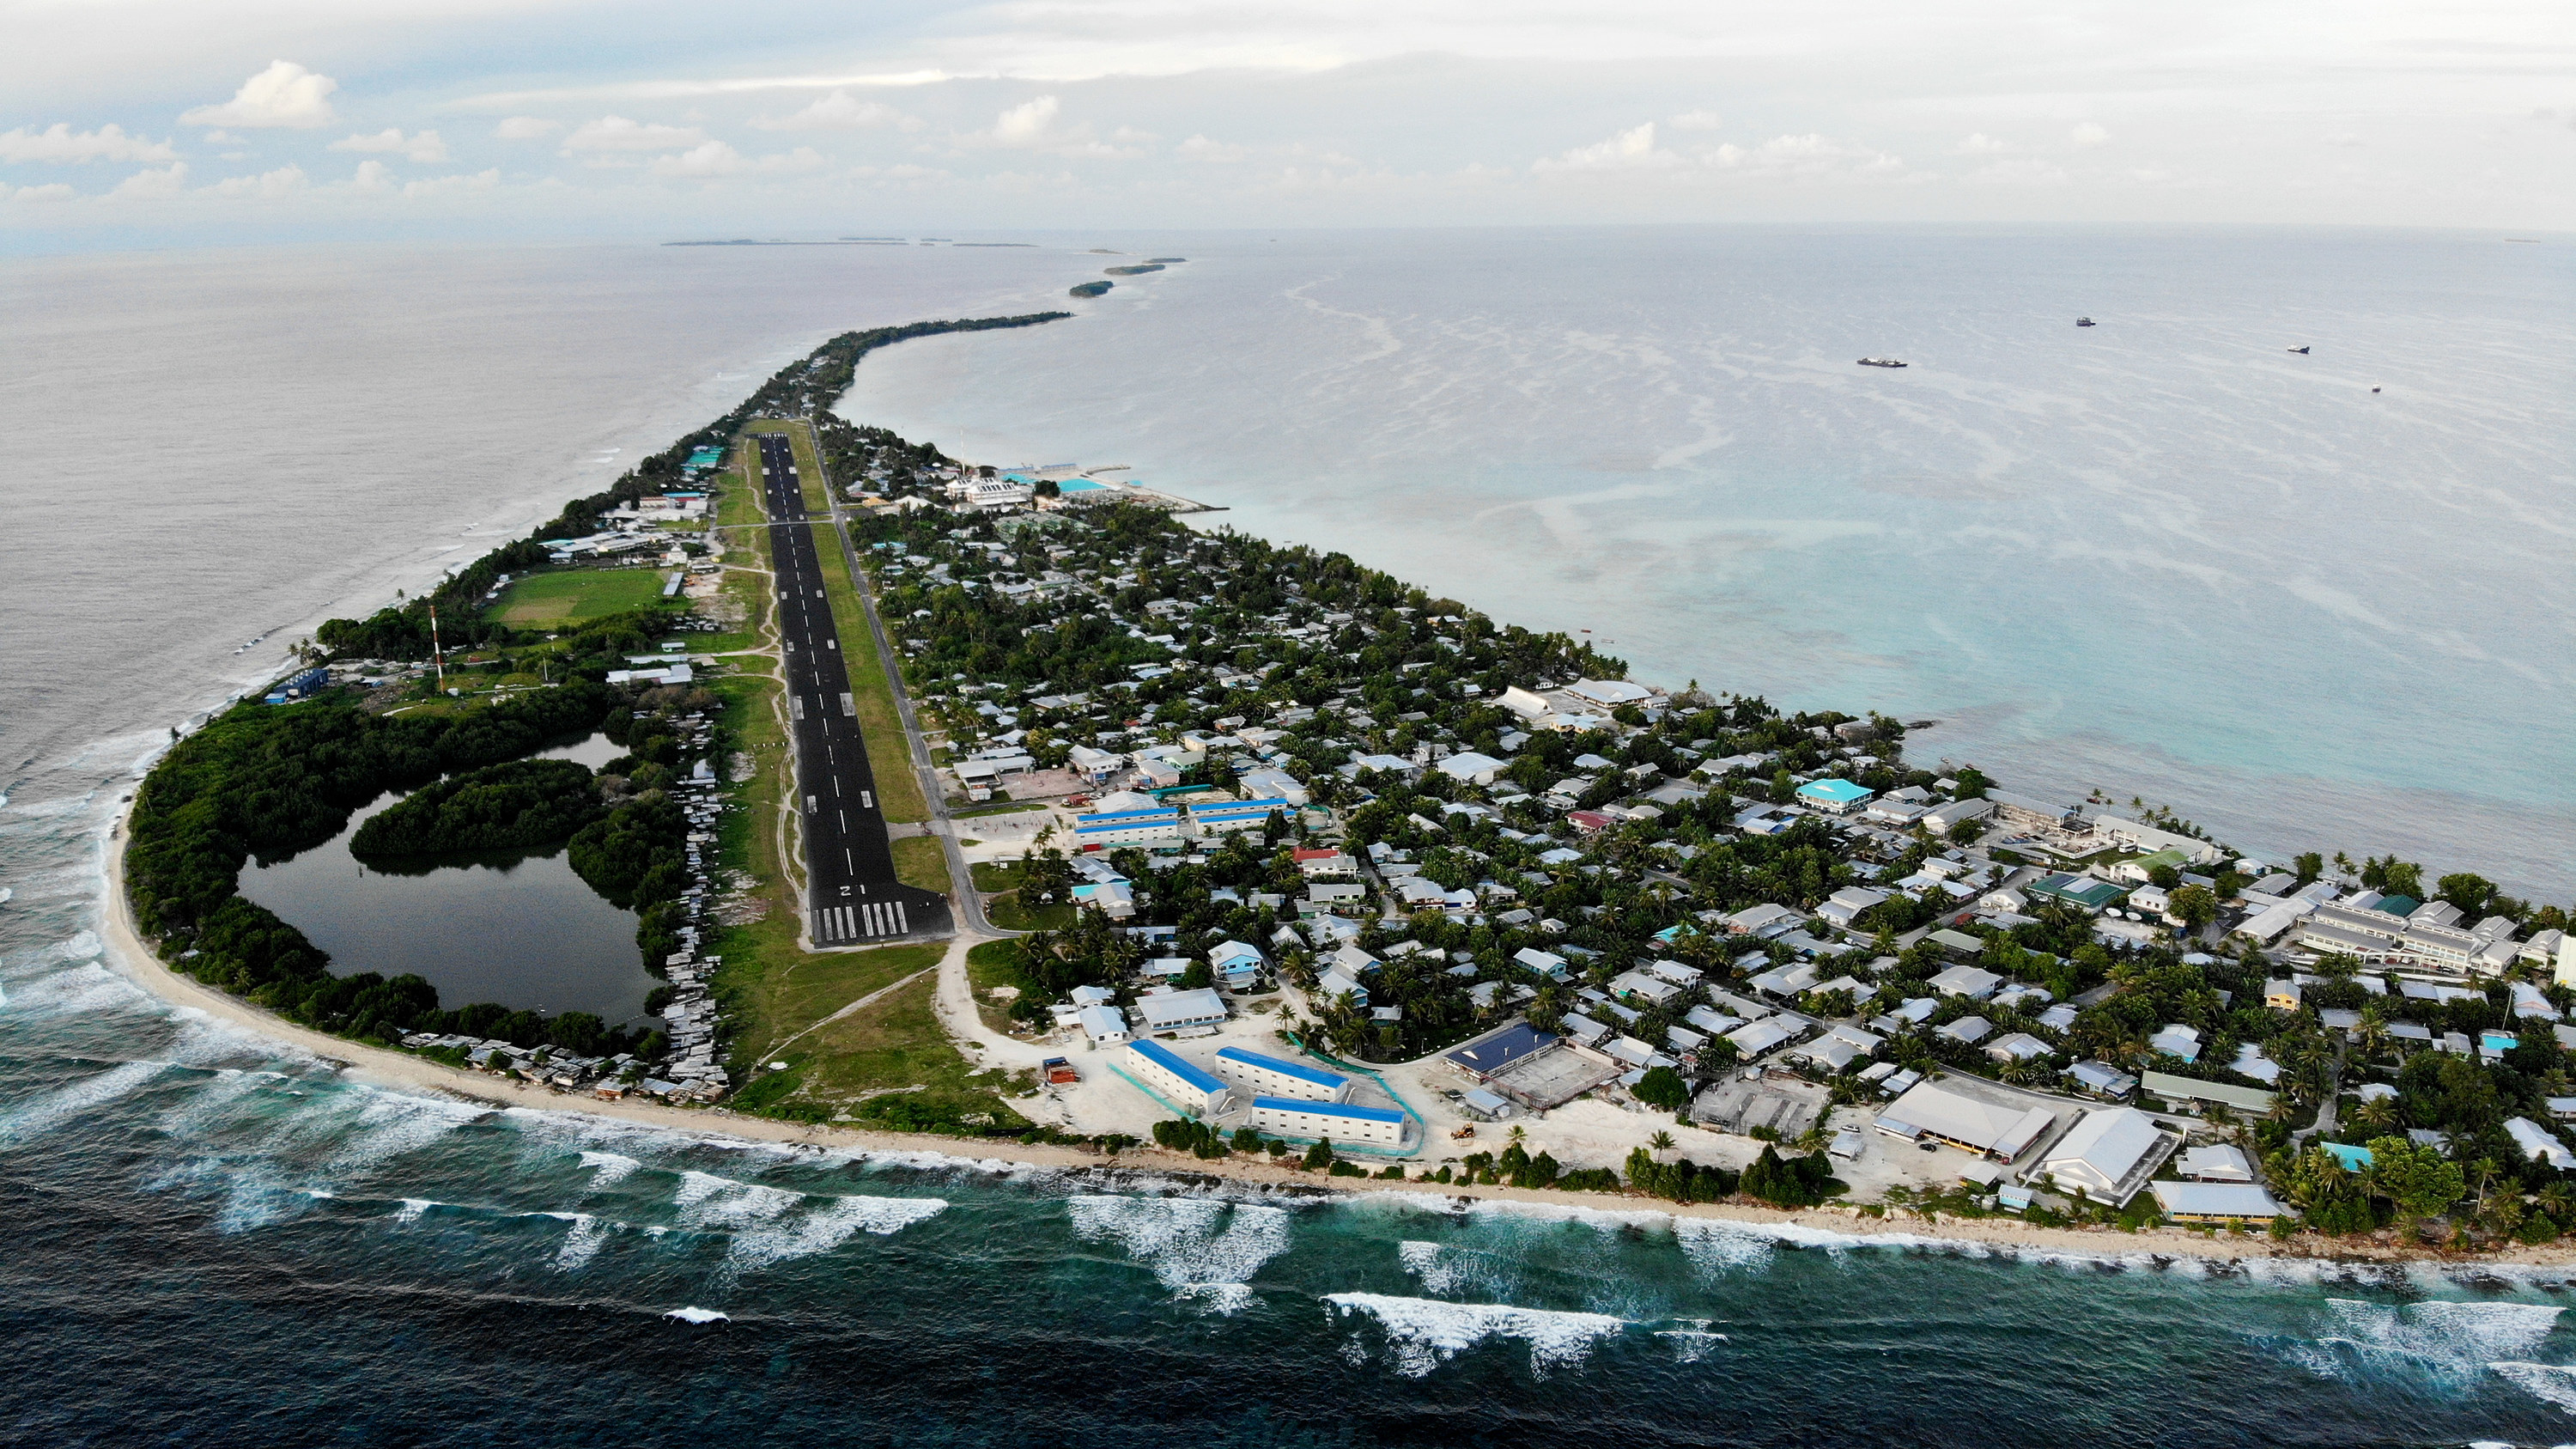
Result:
pixel 2089 893
pixel 1837 797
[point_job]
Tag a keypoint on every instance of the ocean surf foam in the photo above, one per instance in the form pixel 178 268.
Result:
pixel 1423 1333
pixel 1190 1243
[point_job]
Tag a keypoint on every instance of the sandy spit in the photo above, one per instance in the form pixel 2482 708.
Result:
pixel 402 1071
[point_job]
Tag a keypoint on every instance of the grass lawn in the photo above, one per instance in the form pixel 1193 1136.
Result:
pixel 996 875
pixel 1006 912
pixel 541 600
pixel 920 861
pixel 861 1062
pixel 987 966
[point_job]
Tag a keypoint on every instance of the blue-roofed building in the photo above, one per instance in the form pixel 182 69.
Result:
pixel 1225 818
pixel 1483 1057
pixel 1176 1079
pixel 1306 1121
pixel 1835 797
pixel 1278 1077
pixel 1126 827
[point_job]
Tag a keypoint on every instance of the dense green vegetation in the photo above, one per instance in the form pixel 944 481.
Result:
pixel 518 805
pixel 273 782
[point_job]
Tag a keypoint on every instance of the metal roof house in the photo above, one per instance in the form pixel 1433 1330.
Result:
pixel 1943 1113
pixel 2215 1202
pixel 1834 797
pixel 2109 1155
pixel 1180 1010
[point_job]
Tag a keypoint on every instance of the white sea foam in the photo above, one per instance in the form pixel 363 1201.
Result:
pixel 1716 1246
pixel 1189 1242
pixel 1423 1333
pixel 1449 1269
pixel 1693 1343
pixel 2553 1384
pixel 611 1167
pixel 391 1124
pixel 412 1208
pixel 83 990
pixel 63 1103
pixel 698 1315
pixel 2446 1337
pixel 821 1229
pixel 765 1228
pixel 582 1243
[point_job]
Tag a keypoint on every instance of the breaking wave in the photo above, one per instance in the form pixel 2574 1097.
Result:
pixel 1192 1244
pixel 1423 1333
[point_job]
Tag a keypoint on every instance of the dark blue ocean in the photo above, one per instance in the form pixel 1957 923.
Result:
pixel 209 1240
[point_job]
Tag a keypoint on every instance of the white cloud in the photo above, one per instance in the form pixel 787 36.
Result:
pixel 715 159
pixel 1807 155
pixel 168 181
pixel 2088 135
pixel 841 111
pixel 424 147
pixel 450 185
pixel 1632 149
pixel 50 191
pixel 266 186
pixel 2019 171
pixel 904 172
pixel 1200 148
pixel 616 133
pixel 1026 124
pixel 61 144
pixel 526 128
pixel 285 94
pixel 372 177
pixel 1696 121
pixel 1032 126
pixel 1980 144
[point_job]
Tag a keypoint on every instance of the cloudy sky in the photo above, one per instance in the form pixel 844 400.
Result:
pixel 144 122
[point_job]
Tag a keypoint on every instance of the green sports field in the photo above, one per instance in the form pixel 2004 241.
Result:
pixel 540 600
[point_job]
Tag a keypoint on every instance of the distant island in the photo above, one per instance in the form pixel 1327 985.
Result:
pixel 1135 271
pixel 1088 289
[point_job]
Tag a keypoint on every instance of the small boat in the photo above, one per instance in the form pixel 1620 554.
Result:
pixel 1880 362
pixel 2083 321
pixel 2299 350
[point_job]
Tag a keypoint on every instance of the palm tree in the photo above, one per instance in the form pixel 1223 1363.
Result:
pixel 1519 1133
pixel 1661 1142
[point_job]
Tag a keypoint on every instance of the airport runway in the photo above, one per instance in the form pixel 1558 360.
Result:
pixel 854 896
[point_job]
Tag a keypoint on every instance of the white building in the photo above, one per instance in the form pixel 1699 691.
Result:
pixel 2215 1202
pixel 1180 1010
pixel 1105 1025
pixel 1303 1120
pixel 2109 1155
pixel 1175 1078
pixel 1945 1114
pixel 1271 1076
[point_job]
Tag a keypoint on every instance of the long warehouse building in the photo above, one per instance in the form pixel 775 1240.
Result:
pixel 1308 1121
pixel 1182 1082
pixel 1273 1077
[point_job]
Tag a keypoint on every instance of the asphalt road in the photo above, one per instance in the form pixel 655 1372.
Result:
pixel 853 895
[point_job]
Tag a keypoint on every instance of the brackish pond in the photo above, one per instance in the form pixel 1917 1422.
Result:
pixel 519 928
